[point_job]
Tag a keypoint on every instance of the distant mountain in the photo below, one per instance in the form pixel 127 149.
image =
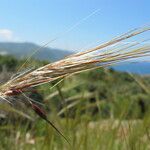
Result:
pixel 21 50
pixel 142 68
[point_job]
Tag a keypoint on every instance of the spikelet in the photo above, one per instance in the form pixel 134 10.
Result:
pixel 101 56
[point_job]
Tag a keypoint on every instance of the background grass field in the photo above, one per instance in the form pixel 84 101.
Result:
pixel 97 110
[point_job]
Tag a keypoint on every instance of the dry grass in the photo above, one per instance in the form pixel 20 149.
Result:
pixel 109 53
pixel 101 56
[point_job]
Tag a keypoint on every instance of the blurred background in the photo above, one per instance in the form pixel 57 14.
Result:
pixel 107 108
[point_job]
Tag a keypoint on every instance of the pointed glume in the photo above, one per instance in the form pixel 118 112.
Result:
pixel 42 114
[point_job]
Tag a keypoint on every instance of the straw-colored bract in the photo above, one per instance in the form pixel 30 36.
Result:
pixel 101 56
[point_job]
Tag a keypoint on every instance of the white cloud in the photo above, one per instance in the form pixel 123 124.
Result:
pixel 6 34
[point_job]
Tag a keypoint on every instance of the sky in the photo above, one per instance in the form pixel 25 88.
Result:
pixel 75 24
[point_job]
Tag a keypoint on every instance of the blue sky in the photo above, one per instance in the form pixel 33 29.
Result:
pixel 39 21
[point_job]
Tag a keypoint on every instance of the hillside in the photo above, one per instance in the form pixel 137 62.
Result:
pixel 21 50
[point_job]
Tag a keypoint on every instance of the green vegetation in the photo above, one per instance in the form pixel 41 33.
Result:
pixel 96 110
